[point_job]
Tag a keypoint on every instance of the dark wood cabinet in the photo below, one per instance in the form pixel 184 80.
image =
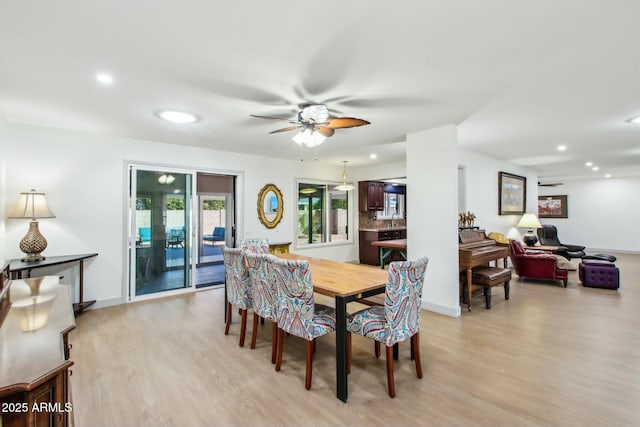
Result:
pixel 370 196
pixel 370 254
pixel 35 365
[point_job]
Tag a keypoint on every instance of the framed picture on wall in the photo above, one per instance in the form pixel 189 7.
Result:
pixel 552 207
pixel 512 194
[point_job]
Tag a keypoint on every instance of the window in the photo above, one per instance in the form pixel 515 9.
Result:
pixel 393 204
pixel 323 214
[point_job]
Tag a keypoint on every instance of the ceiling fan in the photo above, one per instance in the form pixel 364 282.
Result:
pixel 314 124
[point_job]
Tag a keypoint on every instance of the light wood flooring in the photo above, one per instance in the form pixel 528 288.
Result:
pixel 549 356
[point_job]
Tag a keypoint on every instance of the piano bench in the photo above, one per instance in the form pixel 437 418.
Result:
pixel 486 277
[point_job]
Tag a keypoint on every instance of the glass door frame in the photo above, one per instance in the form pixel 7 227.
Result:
pixel 191 225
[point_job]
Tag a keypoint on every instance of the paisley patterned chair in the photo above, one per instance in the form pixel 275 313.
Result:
pixel 256 246
pixel 264 293
pixel 238 285
pixel 398 319
pixel 297 313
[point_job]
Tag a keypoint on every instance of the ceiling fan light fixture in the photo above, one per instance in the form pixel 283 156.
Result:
pixel 309 137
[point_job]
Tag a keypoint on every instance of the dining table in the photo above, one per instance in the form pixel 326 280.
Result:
pixel 345 282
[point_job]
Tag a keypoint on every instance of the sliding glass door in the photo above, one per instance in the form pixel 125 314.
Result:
pixel 160 232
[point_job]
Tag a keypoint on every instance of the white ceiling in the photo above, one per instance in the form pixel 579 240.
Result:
pixel 518 77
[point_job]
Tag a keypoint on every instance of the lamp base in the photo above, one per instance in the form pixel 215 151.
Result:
pixel 530 239
pixel 33 258
pixel 33 243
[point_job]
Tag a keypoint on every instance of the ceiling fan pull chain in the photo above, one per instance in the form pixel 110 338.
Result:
pixel 302 152
pixel 315 152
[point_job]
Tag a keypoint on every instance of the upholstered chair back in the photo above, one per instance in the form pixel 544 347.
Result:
pixel 296 306
pixel 237 278
pixel 403 299
pixel 263 284
pixel 548 235
pixel 515 247
pixel 258 246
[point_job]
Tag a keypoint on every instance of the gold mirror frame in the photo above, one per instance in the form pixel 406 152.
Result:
pixel 261 203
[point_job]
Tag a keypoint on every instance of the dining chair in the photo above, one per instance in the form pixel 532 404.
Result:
pixel 259 246
pixel 399 318
pixel 238 285
pixel 264 295
pixel 297 313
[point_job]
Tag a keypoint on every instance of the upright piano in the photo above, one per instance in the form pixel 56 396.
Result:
pixel 474 250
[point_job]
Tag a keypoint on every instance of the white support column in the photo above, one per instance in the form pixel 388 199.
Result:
pixel 432 214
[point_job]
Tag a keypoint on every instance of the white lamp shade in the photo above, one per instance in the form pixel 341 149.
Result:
pixel 32 205
pixel 529 220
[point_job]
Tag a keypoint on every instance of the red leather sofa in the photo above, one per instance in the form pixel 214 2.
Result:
pixel 535 264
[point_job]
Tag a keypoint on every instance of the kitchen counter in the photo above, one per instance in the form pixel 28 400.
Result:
pixel 383 229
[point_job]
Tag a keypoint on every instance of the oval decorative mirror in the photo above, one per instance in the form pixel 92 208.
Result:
pixel 270 205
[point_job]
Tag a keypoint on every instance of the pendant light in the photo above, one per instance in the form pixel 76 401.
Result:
pixel 344 186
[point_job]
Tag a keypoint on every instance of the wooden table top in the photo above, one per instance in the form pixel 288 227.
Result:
pixel 397 243
pixel 28 356
pixel 333 278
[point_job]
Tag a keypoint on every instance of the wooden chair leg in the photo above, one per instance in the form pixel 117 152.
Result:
pixel 254 331
pixel 274 342
pixel 226 328
pixel 390 382
pixel 314 345
pixel 506 290
pixel 348 352
pixel 396 351
pixel 307 377
pixel 243 326
pixel 376 349
pixel 415 344
pixel 280 341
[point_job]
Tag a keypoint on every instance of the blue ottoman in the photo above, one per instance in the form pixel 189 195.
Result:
pixel 597 273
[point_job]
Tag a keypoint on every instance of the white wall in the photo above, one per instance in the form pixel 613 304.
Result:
pixel 603 214
pixel 432 222
pixel 3 184
pixel 84 177
pixel 482 190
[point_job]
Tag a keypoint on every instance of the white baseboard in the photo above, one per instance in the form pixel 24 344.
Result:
pixel 106 303
pixel 441 309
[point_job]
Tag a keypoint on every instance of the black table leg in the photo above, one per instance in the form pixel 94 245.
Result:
pixel 341 348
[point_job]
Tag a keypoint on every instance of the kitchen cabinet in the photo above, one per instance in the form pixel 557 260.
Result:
pixel 370 254
pixel 370 196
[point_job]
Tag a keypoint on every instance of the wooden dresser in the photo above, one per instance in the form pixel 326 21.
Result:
pixel 36 316
pixel 279 248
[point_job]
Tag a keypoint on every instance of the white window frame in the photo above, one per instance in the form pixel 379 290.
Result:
pixel 326 211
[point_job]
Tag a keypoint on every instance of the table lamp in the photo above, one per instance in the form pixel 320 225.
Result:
pixel 32 205
pixel 529 221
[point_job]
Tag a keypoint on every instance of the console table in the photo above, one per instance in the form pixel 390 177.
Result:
pixel 17 268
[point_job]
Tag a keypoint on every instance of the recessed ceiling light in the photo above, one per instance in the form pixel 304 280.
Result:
pixel 588 164
pixel 179 117
pixel 595 168
pixel 607 175
pixel 562 147
pixel 104 79
pixel 635 120
pixel 373 156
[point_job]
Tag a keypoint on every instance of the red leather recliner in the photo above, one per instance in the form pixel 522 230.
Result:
pixel 538 265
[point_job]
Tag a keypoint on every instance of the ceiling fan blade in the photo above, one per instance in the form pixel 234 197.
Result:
pixel 325 131
pixel 287 129
pixel 344 122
